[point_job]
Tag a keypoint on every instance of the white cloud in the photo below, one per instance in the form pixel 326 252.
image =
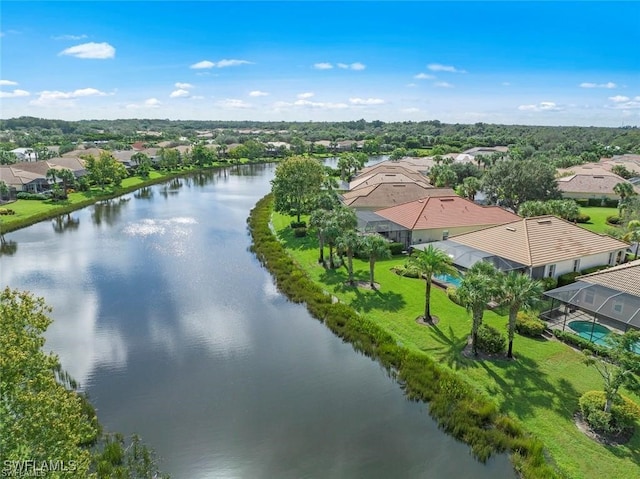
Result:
pixel 233 104
pixel 179 93
pixel 366 101
pixel 411 110
pixel 70 37
pixel 8 83
pixel 308 94
pixel 92 50
pixel 625 103
pixel 350 66
pixel 437 67
pixel 183 86
pixel 202 64
pixel 148 103
pixel 48 97
pixel 221 64
pixel 619 98
pixel 152 102
pixel 13 94
pixel 609 85
pixel 323 66
pixel 321 105
pixel 443 84
pixel 542 106
pixel 256 93
pixel 424 76
pixel 197 97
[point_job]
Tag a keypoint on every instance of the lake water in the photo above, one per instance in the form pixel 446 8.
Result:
pixel 178 334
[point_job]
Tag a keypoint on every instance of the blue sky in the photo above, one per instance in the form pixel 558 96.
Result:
pixel 542 63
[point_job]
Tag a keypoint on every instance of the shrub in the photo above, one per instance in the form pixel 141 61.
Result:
pixel 404 271
pixel 6 211
pixel 613 220
pixel 528 324
pixel 593 269
pixel 622 416
pixel 594 202
pixel 300 232
pixel 452 294
pixel 490 340
pixel 581 343
pixel 582 202
pixel 24 195
pixel 549 283
pixel 567 278
pixel 582 218
pixel 610 203
pixel 301 224
pixel 396 248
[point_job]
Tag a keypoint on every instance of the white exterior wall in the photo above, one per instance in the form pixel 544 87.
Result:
pixel 435 234
pixel 600 259
pixel 586 196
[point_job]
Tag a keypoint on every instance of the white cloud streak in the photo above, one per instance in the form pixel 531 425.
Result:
pixel 608 85
pixel 224 63
pixel 179 93
pixel 437 67
pixel 233 104
pixel 308 94
pixel 257 93
pixel 8 83
pixel 92 50
pixel 366 101
pixel 443 84
pixel 542 106
pixel 323 66
pixel 183 86
pixel 52 97
pixel 14 94
pixel 70 37
pixel 424 76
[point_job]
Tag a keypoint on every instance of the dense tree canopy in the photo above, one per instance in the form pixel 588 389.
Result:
pixel 297 182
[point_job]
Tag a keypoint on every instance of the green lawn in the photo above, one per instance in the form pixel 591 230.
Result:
pixel 541 388
pixel 598 214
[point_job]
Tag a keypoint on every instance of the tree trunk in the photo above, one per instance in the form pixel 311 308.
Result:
pixel 350 266
pixel 331 265
pixel 372 263
pixel 427 301
pixel 474 343
pixel 509 352
pixel 321 241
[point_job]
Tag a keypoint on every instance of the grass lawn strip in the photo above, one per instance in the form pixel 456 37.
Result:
pixel 541 388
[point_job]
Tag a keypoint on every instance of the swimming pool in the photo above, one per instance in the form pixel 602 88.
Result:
pixel 446 278
pixel 590 331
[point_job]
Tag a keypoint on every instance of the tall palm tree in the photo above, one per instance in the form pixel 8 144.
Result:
pixel 349 242
pixel 428 262
pixel 624 190
pixel 374 247
pixel 476 290
pixel 518 291
pixel 341 219
pixel 633 235
pixel 320 221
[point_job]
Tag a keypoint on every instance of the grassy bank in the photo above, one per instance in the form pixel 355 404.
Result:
pixel 598 214
pixel 461 408
pixel 28 212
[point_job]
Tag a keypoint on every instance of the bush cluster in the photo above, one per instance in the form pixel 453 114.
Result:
pixel 593 269
pixel 621 418
pixel 581 343
pixel 582 218
pixel 396 248
pixel 6 211
pixel 528 324
pixel 25 195
pixel 298 224
pixel 300 232
pixel 568 278
pixel 549 283
pixel 490 340
pixel 452 294
pixel 613 220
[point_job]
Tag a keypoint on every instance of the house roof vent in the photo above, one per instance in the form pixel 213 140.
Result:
pixel 510 228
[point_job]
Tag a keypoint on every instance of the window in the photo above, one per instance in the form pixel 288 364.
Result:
pixel 610 262
pixel 576 265
pixel 445 235
pixel 552 271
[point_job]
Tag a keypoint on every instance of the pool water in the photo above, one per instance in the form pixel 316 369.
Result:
pixel 446 278
pixel 584 329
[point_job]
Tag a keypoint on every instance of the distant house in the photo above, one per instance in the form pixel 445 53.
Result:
pixel 29 176
pixel 586 182
pixel 437 218
pixel 384 195
pixel 629 161
pixel 24 154
pixel 387 173
pixel 543 246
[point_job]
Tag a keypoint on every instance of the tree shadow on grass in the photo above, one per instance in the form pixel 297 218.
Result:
pixel 366 300
pixel 452 345
pixel 290 241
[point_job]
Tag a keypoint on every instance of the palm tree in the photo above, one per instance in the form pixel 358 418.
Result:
pixel 341 219
pixel 320 221
pixel 633 235
pixel 518 291
pixel 624 190
pixel 375 247
pixel 68 179
pixel 349 242
pixel 428 262
pixel 475 291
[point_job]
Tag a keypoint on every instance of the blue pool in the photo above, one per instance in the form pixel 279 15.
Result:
pixel 448 279
pixel 584 329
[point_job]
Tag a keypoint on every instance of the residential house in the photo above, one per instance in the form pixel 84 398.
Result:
pixel 384 195
pixel 436 218
pixel 387 173
pixel 24 154
pixel 589 182
pixel 544 246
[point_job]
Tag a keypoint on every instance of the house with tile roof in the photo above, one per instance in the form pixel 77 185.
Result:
pixel 388 173
pixel 589 181
pixel 384 195
pixel 545 246
pixel 436 218
pixel 610 297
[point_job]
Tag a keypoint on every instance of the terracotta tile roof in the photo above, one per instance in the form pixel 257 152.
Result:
pixel 383 195
pixel 624 277
pixel 591 183
pixel 539 240
pixel 445 212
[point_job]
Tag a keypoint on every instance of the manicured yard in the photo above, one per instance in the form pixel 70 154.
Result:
pixel 598 214
pixel 541 387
